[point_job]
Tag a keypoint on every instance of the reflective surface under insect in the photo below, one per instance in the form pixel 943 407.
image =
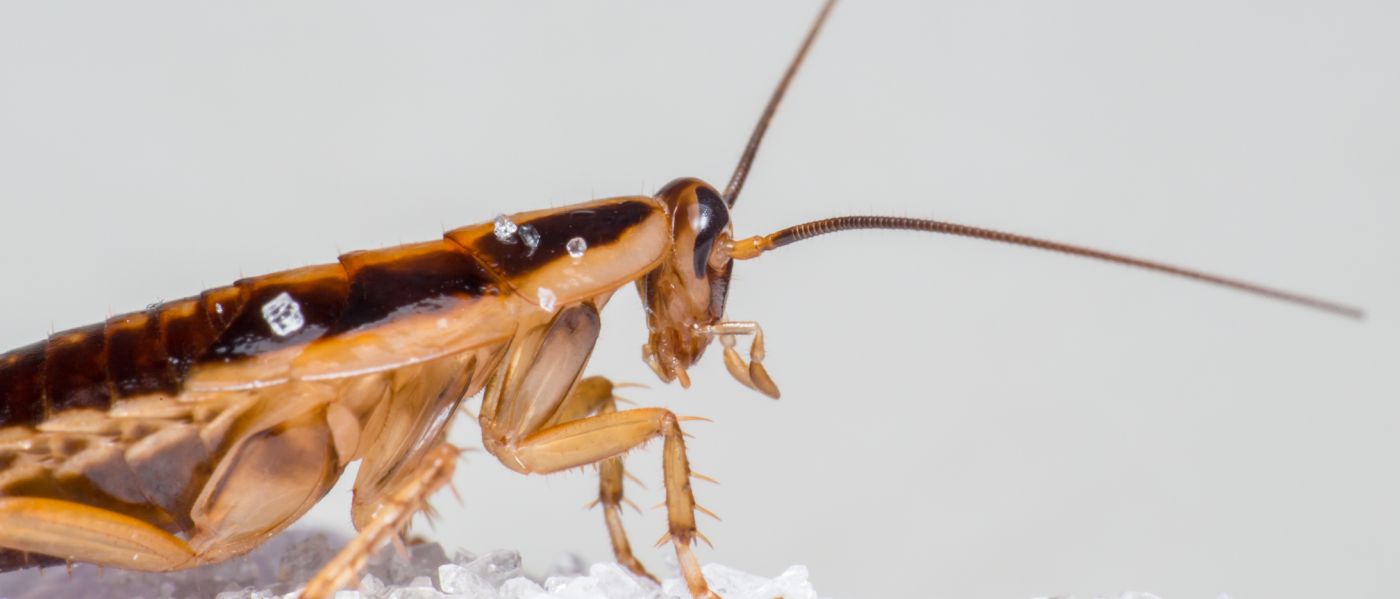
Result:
pixel 1006 423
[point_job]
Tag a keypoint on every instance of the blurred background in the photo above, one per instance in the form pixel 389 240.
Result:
pixel 959 419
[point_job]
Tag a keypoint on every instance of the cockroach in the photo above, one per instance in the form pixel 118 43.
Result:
pixel 192 431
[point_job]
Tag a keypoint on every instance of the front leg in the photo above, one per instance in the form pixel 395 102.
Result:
pixel 751 374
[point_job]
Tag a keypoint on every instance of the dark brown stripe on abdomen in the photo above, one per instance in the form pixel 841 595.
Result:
pixel 137 363
pixel 22 385
pixel 75 370
pixel 222 305
pixel 186 332
pixel 279 311
pixel 152 352
pixel 413 279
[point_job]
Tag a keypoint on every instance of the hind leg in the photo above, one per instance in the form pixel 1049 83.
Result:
pixel 82 533
pixel 392 517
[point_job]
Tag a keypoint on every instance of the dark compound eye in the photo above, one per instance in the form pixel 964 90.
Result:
pixel 713 219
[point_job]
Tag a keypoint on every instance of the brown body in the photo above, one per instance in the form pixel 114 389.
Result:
pixel 225 416
pixel 190 432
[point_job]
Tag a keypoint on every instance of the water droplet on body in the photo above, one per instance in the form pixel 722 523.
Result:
pixel 576 246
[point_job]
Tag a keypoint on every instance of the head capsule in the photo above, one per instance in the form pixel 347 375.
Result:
pixel 685 294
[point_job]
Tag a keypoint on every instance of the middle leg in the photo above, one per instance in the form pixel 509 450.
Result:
pixel 526 424
pixel 594 395
pixel 594 439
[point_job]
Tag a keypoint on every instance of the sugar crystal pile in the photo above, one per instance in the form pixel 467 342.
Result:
pixel 280 568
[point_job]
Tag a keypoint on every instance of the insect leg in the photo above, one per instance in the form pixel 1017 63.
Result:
pixel 597 438
pixel 610 475
pixel 82 533
pixel 525 424
pixel 751 373
pixel 393 517
pixel 594 395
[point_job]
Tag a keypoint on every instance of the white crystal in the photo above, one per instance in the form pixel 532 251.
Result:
pixel 496 567
pixel 283 315
pixel 609 580
pixel 732 583
pixel 414 593
pixel 547 299
pixel 616 581
pixel 371 586
pixel 530 236
pixel 521 588
pixel 791 584
pixel 246 594
pixel 304 558
pixel 456 580
pixel 576 246
pixel 423 561
pixel 505 229
pixel 495 575
pixel 463 557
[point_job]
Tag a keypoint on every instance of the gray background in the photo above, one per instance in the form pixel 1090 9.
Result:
pixel 960 419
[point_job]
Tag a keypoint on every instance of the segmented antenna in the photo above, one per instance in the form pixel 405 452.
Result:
pixel 741 172
pixel 753 246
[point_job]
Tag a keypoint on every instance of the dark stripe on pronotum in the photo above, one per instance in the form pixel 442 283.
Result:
pixel 598 226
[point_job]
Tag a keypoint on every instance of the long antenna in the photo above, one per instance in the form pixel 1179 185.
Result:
pixel 741 172
pixel 751 247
